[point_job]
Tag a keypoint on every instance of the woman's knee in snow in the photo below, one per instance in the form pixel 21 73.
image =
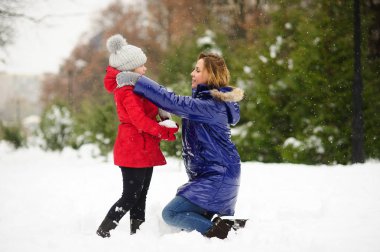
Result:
pixel 168 214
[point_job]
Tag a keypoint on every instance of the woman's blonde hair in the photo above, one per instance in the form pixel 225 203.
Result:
pixel 219 76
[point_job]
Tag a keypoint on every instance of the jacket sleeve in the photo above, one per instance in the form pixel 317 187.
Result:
pixel 183 106
pixel 134 106
pixel 110 79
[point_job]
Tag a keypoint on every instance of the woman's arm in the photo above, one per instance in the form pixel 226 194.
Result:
pixel 134 107
pixel 184 106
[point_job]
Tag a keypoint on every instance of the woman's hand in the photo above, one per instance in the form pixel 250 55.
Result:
pixel 127 78
pixel 164 115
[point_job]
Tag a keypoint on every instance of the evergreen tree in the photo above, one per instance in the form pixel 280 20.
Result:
pixel 299 98
pixel 294 59
pixel 371 77
pixel 97 123
pixel 56 127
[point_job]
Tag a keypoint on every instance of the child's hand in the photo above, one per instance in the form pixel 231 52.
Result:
pixel 169 128
pixel 127 78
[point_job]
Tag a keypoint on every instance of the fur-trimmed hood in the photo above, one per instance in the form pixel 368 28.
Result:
pixel 224 94
pixel 229 95
pixel 110 79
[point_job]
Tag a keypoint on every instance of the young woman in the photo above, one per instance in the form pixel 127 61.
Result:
pixel 137 145
pixel 211 159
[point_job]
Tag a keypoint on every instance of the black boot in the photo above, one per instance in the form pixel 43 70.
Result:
pixel 135 224
pixel 236 223
pixel 105 228
pixel 220 229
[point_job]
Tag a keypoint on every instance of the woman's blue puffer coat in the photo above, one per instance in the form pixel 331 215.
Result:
pixel 211 159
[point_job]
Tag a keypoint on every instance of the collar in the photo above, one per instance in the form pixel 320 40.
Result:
pixel 202 91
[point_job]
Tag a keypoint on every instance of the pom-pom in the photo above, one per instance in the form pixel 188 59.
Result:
pixel 115 43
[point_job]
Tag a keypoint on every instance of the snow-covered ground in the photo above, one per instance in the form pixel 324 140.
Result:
pixel 55 202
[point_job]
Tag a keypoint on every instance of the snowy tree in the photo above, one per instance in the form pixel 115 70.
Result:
pixel 302 85
pixel 56 127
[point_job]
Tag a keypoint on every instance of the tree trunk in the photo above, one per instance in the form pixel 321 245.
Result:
pixel 357 123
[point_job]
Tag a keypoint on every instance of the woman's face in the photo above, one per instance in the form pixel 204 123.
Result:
pixel 199 74
pixel 140 70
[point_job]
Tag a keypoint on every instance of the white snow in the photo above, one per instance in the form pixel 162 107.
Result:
pixel 263 59
pixel 55 201
pixel 275 48
pixel 168 124
pixel 316 41
pixel 247 69
pixel 273 51
pixel 293 142
pixel 288 26
pixel 207 39
pixel 290 64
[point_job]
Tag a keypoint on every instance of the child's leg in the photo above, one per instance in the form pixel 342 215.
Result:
pixel 138 210
pixel 133 180
pixel 181 213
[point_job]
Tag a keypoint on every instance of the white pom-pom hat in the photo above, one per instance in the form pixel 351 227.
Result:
pixel 124 57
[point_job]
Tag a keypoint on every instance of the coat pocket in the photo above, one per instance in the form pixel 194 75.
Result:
pixel 130 140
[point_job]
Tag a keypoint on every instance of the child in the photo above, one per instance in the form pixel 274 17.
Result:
pixel 137 145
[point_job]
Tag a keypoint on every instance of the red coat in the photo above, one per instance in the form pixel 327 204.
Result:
pixel 138 139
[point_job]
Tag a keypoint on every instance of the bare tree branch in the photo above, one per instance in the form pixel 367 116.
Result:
pixel 9 14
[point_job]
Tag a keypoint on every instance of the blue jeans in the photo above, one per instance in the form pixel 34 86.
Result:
pixel 181 213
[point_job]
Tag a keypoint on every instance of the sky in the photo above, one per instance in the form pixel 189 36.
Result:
pixel 55 201
pixel 41 47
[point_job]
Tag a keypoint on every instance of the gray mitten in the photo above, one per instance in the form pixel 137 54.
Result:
pixel 127 78
pixel 164 115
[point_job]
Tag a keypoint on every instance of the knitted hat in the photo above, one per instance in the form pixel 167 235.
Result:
pixel 124 57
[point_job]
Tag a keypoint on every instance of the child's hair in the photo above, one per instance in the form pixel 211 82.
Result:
pixel 219 76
